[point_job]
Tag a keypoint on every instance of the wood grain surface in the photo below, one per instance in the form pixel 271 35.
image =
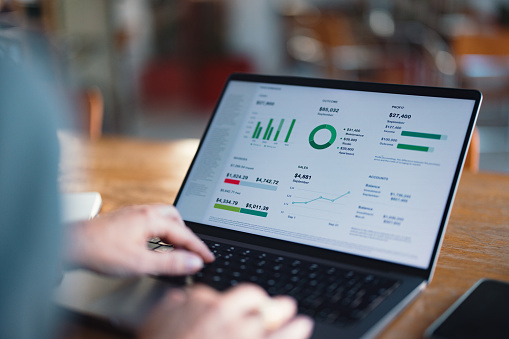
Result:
pixel 476 243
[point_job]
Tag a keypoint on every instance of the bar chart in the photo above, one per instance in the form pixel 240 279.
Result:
pixel 250 184
pixel 268 130
pixel 420 135
pixel 241 210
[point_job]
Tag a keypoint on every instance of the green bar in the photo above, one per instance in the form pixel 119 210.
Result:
pixel 270 132
pixel 256 129
pixel 253 212
pixel 227 207
pixel 279 129
pixel 265 136
pixel 290 131
pixel 421 135
pixel 415 148
pixel 259 131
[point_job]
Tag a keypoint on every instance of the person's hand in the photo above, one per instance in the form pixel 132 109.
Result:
pixel 243 312
pixel 116 243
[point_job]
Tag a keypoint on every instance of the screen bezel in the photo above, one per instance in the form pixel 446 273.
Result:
pixel 287 246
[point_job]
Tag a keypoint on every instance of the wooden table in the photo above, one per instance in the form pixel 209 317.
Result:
pixel 476 244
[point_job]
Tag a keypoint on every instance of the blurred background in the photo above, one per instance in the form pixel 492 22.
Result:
pixel 154 68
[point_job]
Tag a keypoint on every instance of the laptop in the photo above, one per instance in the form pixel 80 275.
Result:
pixel 335 192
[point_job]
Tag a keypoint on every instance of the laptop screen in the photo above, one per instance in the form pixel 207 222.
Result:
pixel 360 172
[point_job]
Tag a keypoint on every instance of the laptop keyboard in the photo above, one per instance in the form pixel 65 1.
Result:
pixel 328 294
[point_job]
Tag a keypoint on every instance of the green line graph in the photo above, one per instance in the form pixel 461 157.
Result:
pixel 320 198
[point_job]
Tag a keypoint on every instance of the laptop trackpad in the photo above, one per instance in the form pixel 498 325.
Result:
pixel 124 302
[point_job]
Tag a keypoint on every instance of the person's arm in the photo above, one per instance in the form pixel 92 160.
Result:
pixel 116 243
pixel 30 235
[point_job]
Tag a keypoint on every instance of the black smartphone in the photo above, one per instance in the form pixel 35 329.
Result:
pixel 482 312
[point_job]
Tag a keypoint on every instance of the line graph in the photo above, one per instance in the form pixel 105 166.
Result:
pixel 320 198
pixel 328 209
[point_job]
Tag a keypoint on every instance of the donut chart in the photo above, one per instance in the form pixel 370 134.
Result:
pixel 333 136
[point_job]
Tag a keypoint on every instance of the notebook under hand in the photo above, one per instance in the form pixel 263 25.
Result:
pixel 353 181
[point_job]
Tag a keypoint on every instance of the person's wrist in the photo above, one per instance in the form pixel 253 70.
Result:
pixel 76 249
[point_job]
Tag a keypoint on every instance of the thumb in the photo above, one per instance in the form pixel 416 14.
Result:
pixel 176 262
